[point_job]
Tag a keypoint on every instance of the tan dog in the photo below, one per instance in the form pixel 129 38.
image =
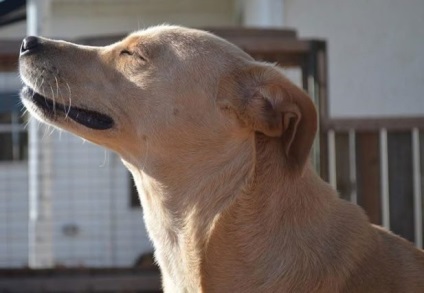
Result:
pixel 218 145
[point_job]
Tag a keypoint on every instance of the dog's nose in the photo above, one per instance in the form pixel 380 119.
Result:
pixel 29 43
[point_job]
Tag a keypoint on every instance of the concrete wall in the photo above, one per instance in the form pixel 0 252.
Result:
pixel 376 50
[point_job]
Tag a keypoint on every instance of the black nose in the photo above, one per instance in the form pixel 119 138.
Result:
pixel 29 43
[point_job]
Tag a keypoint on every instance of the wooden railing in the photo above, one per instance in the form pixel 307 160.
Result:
pixel 80 280
pixel 377 163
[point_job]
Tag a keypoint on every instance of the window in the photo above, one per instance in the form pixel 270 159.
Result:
pixel 13 135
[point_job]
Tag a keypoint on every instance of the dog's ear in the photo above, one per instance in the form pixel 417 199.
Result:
pixel 269 103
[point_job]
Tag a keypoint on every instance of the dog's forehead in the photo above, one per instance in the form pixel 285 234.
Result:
pixel 184 42
pixel 171 32
pixel 164 36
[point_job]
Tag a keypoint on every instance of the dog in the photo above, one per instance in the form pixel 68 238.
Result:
pixel 218 145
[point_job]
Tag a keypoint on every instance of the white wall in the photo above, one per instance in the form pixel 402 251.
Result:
pixel 91 193
pixel 76 18
pixel 13 214
pixel 375 46
pixel 376 60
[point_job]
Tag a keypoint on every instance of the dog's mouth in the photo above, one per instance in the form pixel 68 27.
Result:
pixel 51 110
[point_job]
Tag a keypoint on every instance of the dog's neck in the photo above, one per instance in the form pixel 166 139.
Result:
pixel 289 215
pixel 185 197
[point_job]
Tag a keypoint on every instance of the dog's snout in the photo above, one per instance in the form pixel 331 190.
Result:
pixel 29 43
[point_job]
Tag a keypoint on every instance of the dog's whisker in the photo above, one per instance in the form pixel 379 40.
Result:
pixel 57 86
pixel 52 131
pixel 53 100
pixel 62 98
pixel 36 81
pixel 69 97
pixel 38 126
pixel 44 132
pixel 105 159
pixel 40 80
pixel 24 114
pixel 57 89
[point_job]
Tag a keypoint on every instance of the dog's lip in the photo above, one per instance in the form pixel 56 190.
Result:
pixel 89 118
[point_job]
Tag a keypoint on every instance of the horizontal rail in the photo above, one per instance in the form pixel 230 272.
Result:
pixel 6 128
pixel 373 124
pixel 10 47
pixel 84 280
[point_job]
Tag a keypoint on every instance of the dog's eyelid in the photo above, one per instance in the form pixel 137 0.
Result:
pixel 126 52
pixel 132 53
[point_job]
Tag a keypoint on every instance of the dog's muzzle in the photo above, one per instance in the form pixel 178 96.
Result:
pixel 50 108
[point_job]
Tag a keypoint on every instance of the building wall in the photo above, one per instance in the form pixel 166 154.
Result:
pixel 13 214
pixel 375 64
pixel 375 50
pixel 375 46
pixel 78 18
pixel 93 222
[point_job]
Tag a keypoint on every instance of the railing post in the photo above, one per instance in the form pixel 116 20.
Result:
pixel 332 172
pixel 418 225
pixel 352 167
pixel 384 180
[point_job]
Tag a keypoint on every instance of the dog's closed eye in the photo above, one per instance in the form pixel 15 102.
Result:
pixel 126 52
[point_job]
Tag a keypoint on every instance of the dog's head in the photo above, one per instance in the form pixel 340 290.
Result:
pixel 170 87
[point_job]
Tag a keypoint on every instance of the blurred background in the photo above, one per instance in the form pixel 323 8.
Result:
pixel 69 212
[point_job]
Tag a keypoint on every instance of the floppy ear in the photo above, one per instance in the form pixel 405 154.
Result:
pixel 269 103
